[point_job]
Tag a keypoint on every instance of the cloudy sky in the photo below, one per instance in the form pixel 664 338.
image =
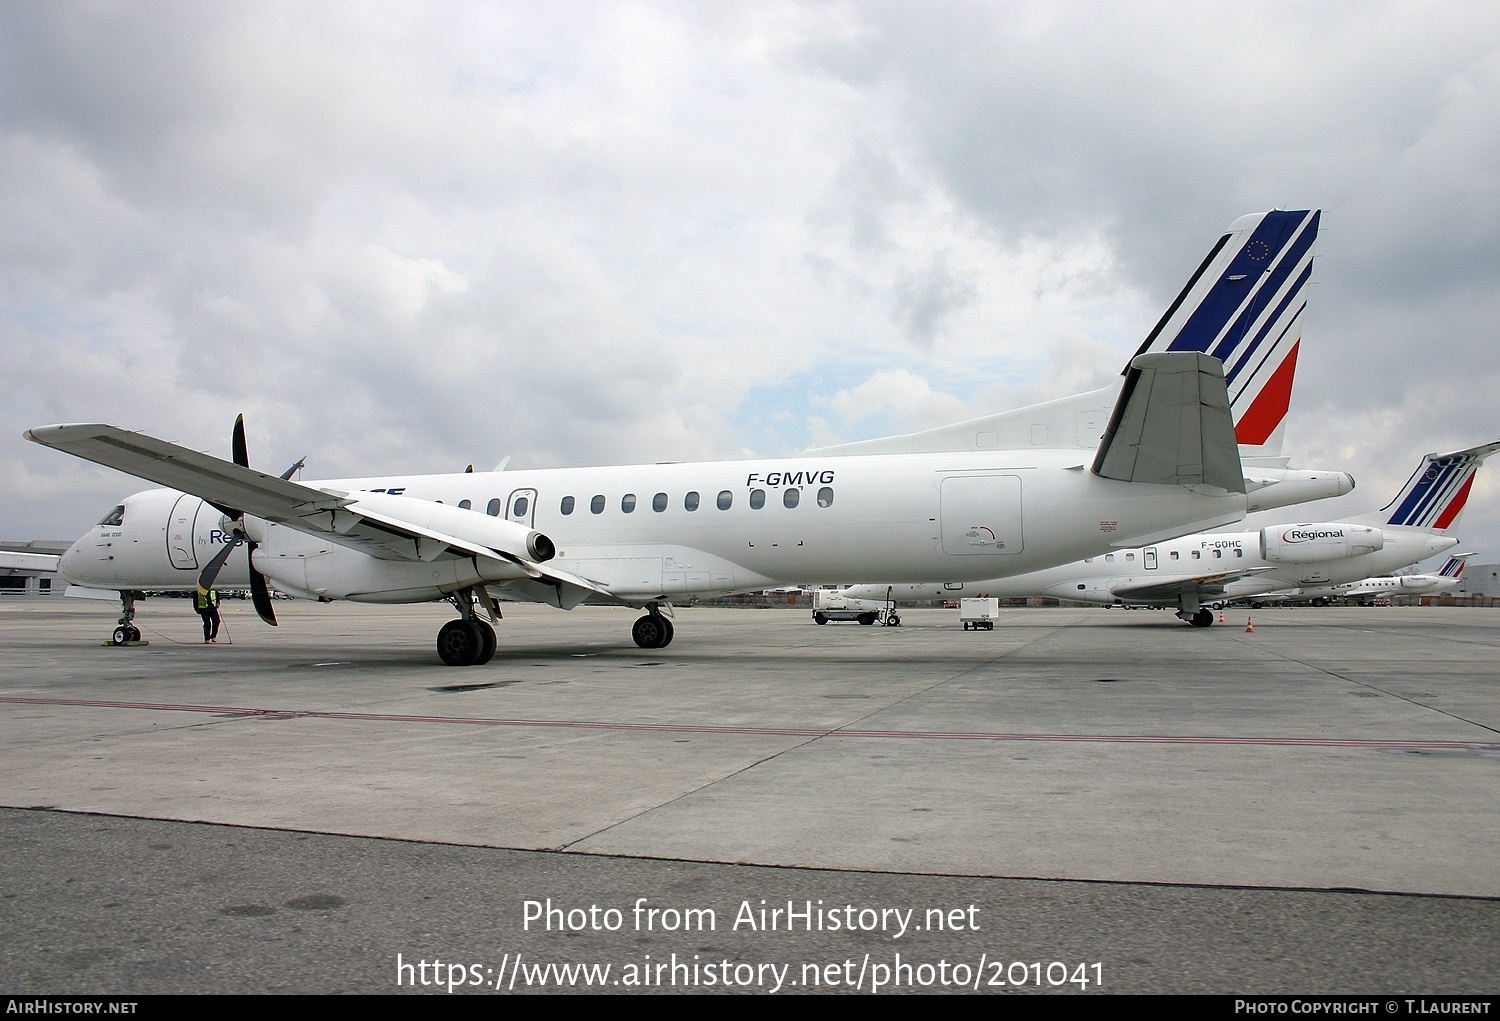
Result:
pixel 409 237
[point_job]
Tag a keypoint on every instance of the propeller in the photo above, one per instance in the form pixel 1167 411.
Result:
pixel 260 592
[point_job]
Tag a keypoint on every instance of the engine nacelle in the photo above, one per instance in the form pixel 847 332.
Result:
pixel 1269 488
pixel 1314 543
pixel 496 533
pixel 306 562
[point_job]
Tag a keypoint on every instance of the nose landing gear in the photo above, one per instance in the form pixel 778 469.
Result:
pixel 126 633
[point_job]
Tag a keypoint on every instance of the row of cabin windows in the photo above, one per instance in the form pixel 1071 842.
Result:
pixel 1217 554
pixel 692 501
pixel 659 502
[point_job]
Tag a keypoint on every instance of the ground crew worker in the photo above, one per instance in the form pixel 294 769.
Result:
pixel 207 605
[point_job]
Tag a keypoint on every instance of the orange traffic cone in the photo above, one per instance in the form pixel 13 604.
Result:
pixel 1249 627
pixel 1221 616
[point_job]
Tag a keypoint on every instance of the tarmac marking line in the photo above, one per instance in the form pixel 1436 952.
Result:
pixel 920 735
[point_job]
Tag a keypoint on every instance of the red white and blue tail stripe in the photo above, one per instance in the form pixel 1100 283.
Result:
pixel 1455 565
pixel 1244 306
pixel 1435 495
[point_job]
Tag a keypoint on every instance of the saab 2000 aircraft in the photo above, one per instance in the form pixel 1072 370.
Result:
pixel 1008 493
pixel 1276 560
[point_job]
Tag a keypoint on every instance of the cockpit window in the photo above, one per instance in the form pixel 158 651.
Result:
pixel 115 517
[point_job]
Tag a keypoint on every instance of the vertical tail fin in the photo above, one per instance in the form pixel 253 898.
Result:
pixel 1435 495
pixel 1244 306
pixel 1454 568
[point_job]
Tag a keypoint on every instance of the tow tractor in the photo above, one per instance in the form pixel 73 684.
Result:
pixel 833 605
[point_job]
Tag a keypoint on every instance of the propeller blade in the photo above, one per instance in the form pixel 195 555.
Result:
pixel 241 456
pixel 260 593
pixel 211 569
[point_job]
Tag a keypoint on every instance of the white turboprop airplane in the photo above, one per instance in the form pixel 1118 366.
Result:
pixel 1006 493
pixel 1309 559
pixel 1445 578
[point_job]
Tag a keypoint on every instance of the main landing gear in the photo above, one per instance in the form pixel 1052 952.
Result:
pixel 653 631
pixel 126 633
pixel 467 641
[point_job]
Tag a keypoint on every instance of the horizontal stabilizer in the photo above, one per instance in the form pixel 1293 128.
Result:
pixel 1171 425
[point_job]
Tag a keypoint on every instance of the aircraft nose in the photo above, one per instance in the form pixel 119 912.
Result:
pixel 70 564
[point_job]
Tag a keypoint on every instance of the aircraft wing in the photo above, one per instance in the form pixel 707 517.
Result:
pixel 39 562
pixel 1206 586
pixel 348 519
pixel 222 483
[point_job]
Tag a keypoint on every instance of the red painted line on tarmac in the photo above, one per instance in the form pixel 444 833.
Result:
pixel 674 728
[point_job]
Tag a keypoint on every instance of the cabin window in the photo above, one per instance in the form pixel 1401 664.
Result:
pixel 115 517
pixel 825 497
pixel 1109 558
pixel 659 502
pixel 465 505
pixel 690 502
pixel 627 502
pixel 1175 555
pixel 493 508
pixel 1218 554
pixel 567 505
pixel 518 509
pixel 1239 552
pixel 790 497
pixel 1197 555
pixel 757 499
pixel 1130 556
pixel 596 505
pixel 725 499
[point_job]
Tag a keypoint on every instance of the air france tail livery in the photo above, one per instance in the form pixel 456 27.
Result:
pixel 1008 494
pixel 1307 559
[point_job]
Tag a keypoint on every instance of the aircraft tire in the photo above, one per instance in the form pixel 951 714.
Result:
pixel 121 635
pixel 1203 618
pixel 459 643
pixel 487 643
pixel 651 632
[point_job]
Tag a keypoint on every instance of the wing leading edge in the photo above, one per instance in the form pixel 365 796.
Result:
pixel 379 525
